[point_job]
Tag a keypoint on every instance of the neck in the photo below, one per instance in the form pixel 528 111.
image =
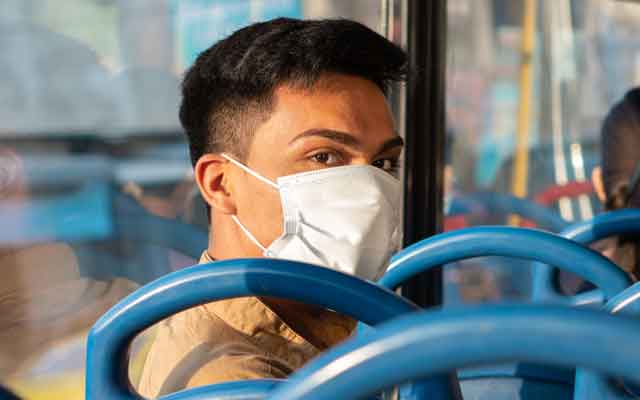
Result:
pixel 322 328
pixel 227 241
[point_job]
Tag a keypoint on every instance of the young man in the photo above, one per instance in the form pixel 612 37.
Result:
pixel 295 152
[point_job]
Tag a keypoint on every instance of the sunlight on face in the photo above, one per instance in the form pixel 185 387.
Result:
pixel 343 120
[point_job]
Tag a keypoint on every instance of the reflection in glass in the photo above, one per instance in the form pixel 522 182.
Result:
pixel 583 59
pixel 96 192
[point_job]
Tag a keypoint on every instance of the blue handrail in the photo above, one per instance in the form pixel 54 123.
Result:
pixel 111 335
pixel 257 389
pixel 614 223
pixel 591 385
pixel 505 204
pixel 95 212
pixel 454 339
pixel 134 223
pixel 83 215
pixel 505 241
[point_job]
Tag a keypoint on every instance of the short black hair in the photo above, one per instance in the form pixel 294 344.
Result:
pixel 229 89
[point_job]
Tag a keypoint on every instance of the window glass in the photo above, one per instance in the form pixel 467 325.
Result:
pixel 529 84
pixel 96 190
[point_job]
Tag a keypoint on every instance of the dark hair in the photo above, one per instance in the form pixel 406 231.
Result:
pixel 620 137
pixel 620 162
pixel 229 89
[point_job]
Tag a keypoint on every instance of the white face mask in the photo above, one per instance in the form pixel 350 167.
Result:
pixel 344 218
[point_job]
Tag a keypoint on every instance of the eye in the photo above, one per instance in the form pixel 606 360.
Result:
pixel 326 158
pixel 390 165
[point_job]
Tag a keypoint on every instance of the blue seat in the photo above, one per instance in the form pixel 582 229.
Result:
pixel 504 204
pixel 44 220
pixel 614 223
pixel 509 242
pixel 97 212
pixel 153 236
pixel 257 389
pixel 134 223
pixel 110 337
pixel 591 385
pixel 398 351
pixel 505 241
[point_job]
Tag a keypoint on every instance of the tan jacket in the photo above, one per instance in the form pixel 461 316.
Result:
pixel 228 340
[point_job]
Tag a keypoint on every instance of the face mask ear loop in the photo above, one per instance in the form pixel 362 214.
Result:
pixel 250 171
pixel 248 234
pixel 259 177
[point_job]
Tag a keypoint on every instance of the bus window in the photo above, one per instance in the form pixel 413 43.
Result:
pixel 529 83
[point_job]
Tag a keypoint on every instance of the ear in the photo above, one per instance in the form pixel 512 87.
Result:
pixel 213 184
pixel 598 184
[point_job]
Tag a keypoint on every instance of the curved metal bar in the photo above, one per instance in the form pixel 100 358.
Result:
pixel 109 339
pixel 499 203
pixel 590 385
pixel 455 339
pixel 134 223
pixel 89 215
pixel 626 302
pixel 508 242
pixel 82 215
pixel 614 223
pixel 257 389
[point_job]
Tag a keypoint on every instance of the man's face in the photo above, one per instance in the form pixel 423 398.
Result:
pixel 344 120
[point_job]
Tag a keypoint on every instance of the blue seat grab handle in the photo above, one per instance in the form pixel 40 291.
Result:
pixel 505 241
pixel 613 223
pixel 256 389
pixel 109 339
pixel 592 385
pixel 475 336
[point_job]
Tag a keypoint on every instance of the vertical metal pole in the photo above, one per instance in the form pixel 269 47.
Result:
pixel 520 176
pixel 551 32
pixel 425 134
pixel 424 160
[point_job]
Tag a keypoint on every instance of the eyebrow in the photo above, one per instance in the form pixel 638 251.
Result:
pixel 347 139
pixel 336 136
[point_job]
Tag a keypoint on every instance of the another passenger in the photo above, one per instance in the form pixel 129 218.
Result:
pixel 268 112
pixel 616 180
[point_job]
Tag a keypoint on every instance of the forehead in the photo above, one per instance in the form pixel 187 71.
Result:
pixel 337 102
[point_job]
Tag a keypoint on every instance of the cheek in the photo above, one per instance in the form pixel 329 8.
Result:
pixel 260 210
